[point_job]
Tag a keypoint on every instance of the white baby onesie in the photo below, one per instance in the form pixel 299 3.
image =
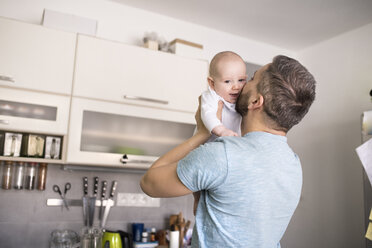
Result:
pixel 209 105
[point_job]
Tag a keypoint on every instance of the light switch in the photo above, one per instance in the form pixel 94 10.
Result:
pixel 137 200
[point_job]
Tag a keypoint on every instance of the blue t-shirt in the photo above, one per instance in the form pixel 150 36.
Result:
pixel 250 185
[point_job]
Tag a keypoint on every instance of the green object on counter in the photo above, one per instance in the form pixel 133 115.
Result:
pixel 111 238
pixel 117 239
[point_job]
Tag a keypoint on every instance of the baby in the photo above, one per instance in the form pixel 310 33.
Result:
pixel 227 76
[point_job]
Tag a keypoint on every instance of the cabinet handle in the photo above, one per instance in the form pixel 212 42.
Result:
pixel 7 78
pixel 125 160
pixel 6 122
pixel 145 99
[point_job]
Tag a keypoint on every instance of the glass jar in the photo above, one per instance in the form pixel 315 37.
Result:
pixel 30 176
pixel 41 176
pixel 19 175
pixel 7 175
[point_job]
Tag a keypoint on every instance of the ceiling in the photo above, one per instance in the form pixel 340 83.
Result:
pixel 290 24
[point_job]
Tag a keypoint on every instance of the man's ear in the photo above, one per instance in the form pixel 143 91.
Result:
pixel 211 82
pixel 256 102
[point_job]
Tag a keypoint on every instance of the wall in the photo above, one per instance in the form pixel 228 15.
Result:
pixel 25 212
pixel 331 211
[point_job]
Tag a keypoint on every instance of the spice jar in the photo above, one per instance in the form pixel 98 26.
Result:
pixel 30 176
pixel 41 176
pixel 33 145
pixel 153 235
pixel 19 175
pixel 7 175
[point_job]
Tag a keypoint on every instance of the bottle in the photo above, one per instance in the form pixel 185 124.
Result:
pixel 174 237
pixel 30 176
pixel 7 175
pixel 153 235
pixel 144 237
pixel 41 176
pixel 53 149
pixel 19 175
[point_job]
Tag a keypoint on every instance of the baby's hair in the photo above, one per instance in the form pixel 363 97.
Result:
pixel 213 71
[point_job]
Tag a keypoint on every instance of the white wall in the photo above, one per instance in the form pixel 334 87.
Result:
pixel 126 24
pixel 331 212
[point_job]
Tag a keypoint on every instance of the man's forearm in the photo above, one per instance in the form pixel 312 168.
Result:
pixel 161 179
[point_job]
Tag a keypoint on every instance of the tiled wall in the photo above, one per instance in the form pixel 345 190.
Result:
pixel 26 220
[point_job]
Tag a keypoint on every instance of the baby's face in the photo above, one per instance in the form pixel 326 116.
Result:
pixel 230 80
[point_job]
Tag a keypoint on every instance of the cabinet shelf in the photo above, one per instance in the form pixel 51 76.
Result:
pixel 36 160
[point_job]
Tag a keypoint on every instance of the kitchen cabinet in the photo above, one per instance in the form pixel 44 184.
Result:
pixel 24 111
pixel 37 58
pixel 35 112
pixel 101 133
pixel 117 72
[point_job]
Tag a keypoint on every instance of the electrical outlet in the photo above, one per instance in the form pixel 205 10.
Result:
pixel 136 200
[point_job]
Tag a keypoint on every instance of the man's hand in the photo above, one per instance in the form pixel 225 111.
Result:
pixel 199 123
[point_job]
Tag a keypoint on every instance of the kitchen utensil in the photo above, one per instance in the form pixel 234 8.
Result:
pixel 92 202
pixel 103 195
pixel 111 239
pixel 109 203
pixel 85 201
pixel 117 239
pixel 91 238
pixel 64 238
pixel 63 197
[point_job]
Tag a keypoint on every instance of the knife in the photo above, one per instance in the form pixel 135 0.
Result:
pixel 103 195
pixel 92 202
pixel 109 203
pixel 85 201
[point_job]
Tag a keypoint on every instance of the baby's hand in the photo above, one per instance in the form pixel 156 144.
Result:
pixel 223 131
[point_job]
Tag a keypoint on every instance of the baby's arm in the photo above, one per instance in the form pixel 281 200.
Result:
pixel 221 130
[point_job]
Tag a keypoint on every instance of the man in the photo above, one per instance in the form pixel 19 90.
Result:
pixel 250 185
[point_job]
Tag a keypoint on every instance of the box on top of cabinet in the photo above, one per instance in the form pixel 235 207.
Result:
pixel 186 48
pixel 68 22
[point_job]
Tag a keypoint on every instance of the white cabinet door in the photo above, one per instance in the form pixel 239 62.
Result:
pixel 26 111
pixel 101 133
pixel 35 57
pixel 117 72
